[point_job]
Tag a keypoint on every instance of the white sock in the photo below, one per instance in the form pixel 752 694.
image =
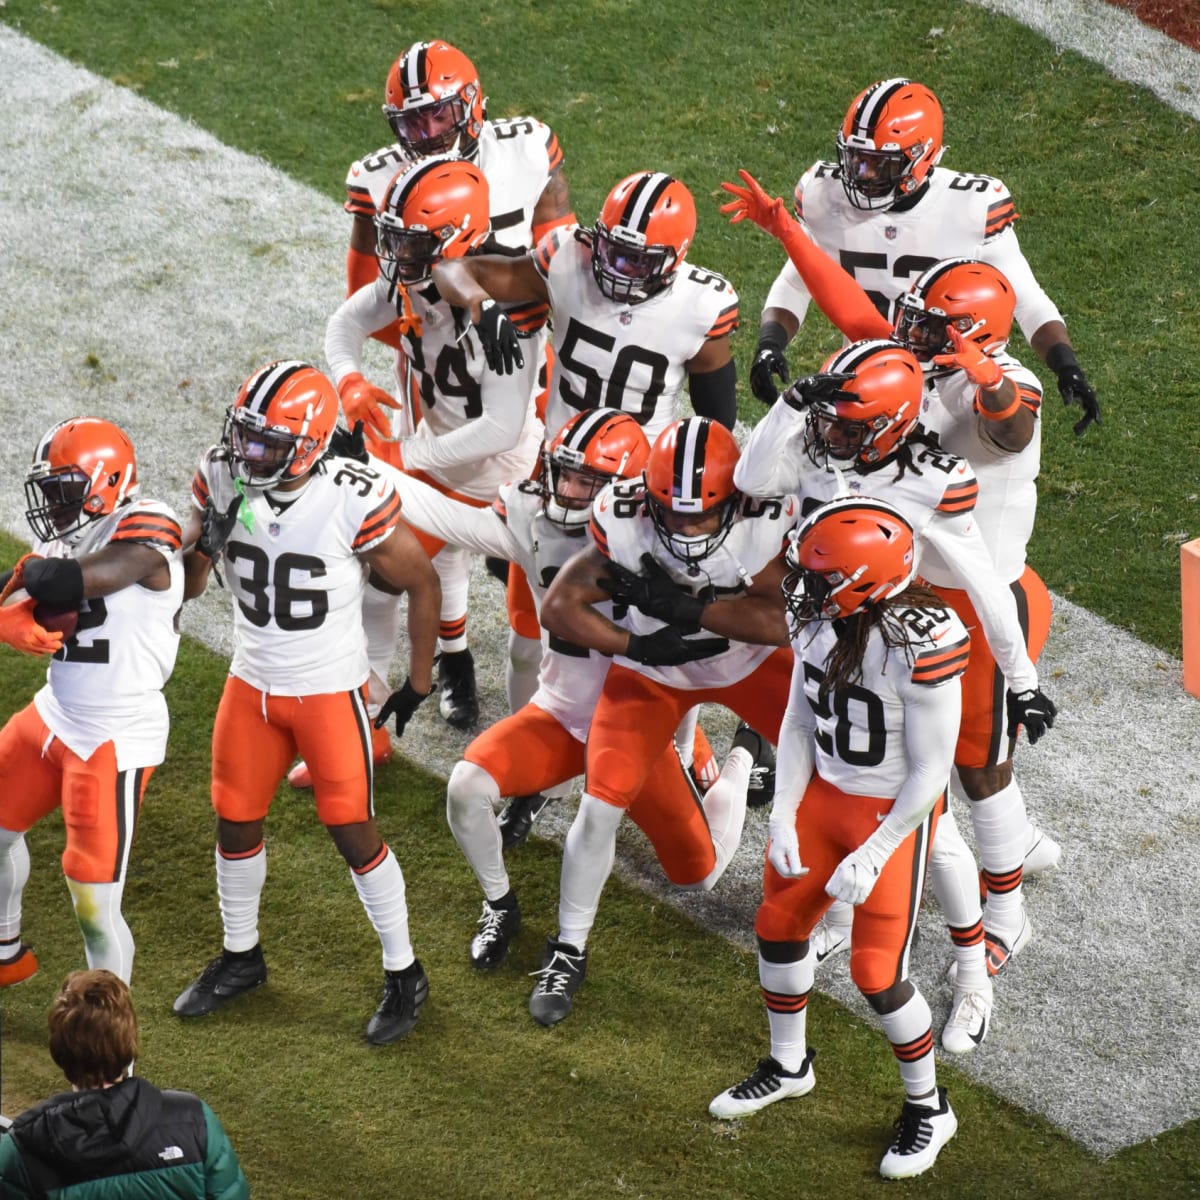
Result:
pixel 910 1030
pixel 588 855
pixel 107 940
pixel 471 799
pixel 453 567
pixel 239 886
pixel 381 623
pixel 521 669
pixel 381 890
pixel 1001 823
pixel 724 807
pixel 14 874
pixel 685 737
pixel 785 988
pixel 954 878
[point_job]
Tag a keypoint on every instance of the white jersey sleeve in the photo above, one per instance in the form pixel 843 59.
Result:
pixel 352 322
pixel 773 460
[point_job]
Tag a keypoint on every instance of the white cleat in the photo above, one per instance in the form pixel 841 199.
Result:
pixel 828 939
pixel 1041 854
pixel 920 1133
pixel 764 1085
pixel 970 1016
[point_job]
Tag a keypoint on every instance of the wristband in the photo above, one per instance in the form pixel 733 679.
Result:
pixel 772 336
pixel 1061 356
pixel 1003 414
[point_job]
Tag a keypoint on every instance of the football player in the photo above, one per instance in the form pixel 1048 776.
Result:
pixel 434 104
pixel 686 534
pixel 888 212
pixel 540 525
pixel 475 429
pixel 983 405
pixel 864 761
pixel 298 531
pixel 107 565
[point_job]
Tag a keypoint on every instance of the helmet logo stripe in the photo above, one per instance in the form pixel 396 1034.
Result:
pixel 643 199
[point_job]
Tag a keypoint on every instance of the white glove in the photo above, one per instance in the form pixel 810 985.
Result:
pixel 855 875
pixel 783 849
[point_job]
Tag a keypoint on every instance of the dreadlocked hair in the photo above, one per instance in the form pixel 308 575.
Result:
pixel 844 665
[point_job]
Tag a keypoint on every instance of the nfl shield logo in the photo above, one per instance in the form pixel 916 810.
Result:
pixel 273 528
pixel 890 233
pixel 625 317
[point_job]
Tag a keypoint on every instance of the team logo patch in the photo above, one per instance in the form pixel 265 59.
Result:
pixel 890 232
pixel 274 528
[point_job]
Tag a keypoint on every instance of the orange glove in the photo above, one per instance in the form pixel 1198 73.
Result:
pixel 17 578
pixel 979 368
pixel 753 204
pixel 19 630
pixel 363 401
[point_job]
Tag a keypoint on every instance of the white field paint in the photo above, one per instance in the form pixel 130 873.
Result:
pixel 146 269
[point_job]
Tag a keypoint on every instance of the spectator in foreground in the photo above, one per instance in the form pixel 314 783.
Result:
pixel 113 1134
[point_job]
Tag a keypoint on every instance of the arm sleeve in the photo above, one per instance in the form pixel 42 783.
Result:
pixel 478 529
pixel 795 754
pixel 355 319
pixel 223 1178
pixel 714 394
pixel 770 463
pixel 1034 307
pixel 929 714
pixel 958 542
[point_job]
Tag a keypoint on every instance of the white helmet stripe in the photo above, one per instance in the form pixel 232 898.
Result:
pixel 871 108
pixel 689 467
pixel 642 200
pixel 270 379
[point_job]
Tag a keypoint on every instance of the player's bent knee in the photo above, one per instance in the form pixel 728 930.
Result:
pixel 469 785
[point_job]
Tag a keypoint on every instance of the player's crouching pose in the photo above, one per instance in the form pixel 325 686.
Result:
pixel 865 752
pixel 297 528
pixel 91 738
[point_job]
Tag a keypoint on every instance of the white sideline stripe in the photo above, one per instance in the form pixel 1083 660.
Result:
pixel 1117 41
pixel 152 268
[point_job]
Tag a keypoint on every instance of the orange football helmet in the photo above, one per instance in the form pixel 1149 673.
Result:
pixel 593 448
pixel 436 208
pixel 83 468
pixel 873 408
pixel 844 556
pixel 641 236
pixel 689 484
pixel 972 296
pixel 433 101
pixel 280 424
pixel 890 139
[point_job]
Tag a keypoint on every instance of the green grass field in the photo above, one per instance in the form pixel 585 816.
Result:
pixel 479 1101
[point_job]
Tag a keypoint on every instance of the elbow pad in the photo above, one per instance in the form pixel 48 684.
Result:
pixel 57 582
pixel 714 394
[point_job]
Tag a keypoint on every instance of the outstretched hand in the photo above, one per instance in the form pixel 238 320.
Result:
pixel 752 203
pixel 363 401
pixel 980 368
pixel 401 704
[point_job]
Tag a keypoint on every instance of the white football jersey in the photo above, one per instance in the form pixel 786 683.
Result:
pixel 106 682
pixel 478 428
pixel 623 530
pixel 956 215
pixel 515 527
pixel 295 575
pixel 516 156
pixel 625 356
pixel 1007 501
pixel 862 745
pixel 937 497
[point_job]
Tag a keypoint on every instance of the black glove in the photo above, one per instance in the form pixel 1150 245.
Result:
pixel 1032 709
pixel 401 705
pixel 810 388
pixel 667 647
pixel 768 362
pixel 499 338
pixel 1075 389
pixel 349 444
pixel 215 527
pixel 655 593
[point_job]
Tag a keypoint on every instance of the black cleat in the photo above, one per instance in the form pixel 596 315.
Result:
pixel 497 927
pixel 518 817
pixel 761 789
pixel 562 971
pixel 458 700
pixel 228 975
pixel 404 995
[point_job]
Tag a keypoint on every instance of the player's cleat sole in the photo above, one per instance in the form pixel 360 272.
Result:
pixel 562 971
pixel 404 995
pixel 920 1134
pixel 497 927
pixel 19 968
pixel 300 776
pixel 766 1084
pixel 970 1017
pixel 518 817
pixel 225 977
pixel 458 699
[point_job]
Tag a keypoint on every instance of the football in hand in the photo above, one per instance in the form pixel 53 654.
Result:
pixel 56 620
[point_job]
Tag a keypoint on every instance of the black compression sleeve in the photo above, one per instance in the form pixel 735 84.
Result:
pixel 55 581
pixel 714 394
